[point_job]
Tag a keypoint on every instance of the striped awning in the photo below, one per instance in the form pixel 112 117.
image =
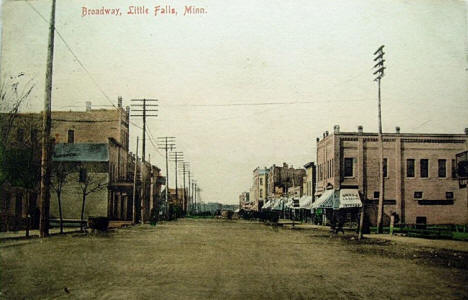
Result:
pixel 326 200
pixel 348 198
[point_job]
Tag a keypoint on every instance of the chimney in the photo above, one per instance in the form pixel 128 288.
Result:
pixel 466 131
pixel 317 139
pixel 119 101
pixel 326 133
pixel 360 129
pixel 285 165
pixel 336 129
pixel 397 129
pixel 88 105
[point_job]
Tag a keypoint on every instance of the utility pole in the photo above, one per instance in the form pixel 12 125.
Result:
pixel 134 184
pixel 144 106
pixel 176 156
pixel 185 166
pixel 166 143
pixel 380 73
pixel 194 197
pixel 46 125
pixel 189 195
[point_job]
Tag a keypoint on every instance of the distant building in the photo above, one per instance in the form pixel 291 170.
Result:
pixel 308 181
pixel 258 191
pixel 244 201
pixel 282 179
pixel 420 179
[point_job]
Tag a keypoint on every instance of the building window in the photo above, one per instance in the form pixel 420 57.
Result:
pixel 261 181
pixel 449 195
pixel 385 167
pixel 454 169
pixel 442 168
pixel 418 195
pixel 71 136
pixel 348 167
pixel 376 195
pixel 424 168
pixel 261 194
pixel 83 175
pixel 410 168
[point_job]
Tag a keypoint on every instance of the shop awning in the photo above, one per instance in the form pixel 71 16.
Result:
pixel 326 200
pixel 305 202
pixel 348 198
pixel 278 204
pixel 268 204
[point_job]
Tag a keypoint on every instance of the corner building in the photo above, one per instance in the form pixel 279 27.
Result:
pixel 420 180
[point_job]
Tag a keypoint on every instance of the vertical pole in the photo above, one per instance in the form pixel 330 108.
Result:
pixel 176 189
pixel 189 198
pixel 195 197
pixel 134 185
pixel 143 192
pixel 144 132
pixel 381 177
pixel 46 124
pixel 167 180
pixel 185 198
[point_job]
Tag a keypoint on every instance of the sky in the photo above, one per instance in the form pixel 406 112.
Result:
pixel 250 82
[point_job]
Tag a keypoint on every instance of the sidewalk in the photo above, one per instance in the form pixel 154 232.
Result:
pixel 420 242
pixel 21 234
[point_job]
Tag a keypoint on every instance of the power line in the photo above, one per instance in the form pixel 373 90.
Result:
pixel 74 55
pixel 147 110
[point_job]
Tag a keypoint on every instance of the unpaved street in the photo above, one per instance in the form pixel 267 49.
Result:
pixel 216 259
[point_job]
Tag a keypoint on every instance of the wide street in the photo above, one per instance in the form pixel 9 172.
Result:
pixel 230 259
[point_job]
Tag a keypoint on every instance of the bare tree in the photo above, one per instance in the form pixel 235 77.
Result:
pixel 89 183
pixel 13 93
pixel 60 175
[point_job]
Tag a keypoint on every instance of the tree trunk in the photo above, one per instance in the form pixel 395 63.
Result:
pixel 59 199
pixel 82 210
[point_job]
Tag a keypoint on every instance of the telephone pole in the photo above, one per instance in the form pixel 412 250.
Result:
pixel 175 157
pixel 166 143
pixel 144 108
pixel 134 184
pixel 46 125
pixel 189 189
pixel 184 169
pixel 380 73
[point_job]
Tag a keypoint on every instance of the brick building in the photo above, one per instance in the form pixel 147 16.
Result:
pixel 82 133
pixel 420 182
pixel 281 179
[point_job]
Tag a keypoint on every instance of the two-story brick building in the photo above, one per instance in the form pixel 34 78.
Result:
pixel 420 183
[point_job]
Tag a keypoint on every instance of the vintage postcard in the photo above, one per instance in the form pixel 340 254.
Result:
pixel 212 149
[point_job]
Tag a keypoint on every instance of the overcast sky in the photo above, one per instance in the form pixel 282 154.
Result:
pixel 220 76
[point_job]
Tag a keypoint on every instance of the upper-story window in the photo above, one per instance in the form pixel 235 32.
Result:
pixel 454 169
pixel 424 165
pixel 410 167
pixel 71 136
pixel 348 167
pixel 261 181
pixel 442 168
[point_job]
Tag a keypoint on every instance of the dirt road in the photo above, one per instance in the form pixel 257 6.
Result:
pixel 216 259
